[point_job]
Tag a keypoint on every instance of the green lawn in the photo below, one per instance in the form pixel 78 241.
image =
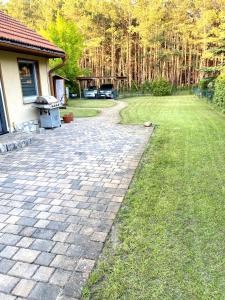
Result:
pixel 170 229
pixel 91 103
pixel 79 112
pixel 86 108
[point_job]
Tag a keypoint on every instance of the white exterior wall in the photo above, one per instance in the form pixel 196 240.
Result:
pixel 17 112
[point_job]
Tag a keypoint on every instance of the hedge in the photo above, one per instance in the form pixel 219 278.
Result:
pixel 219 96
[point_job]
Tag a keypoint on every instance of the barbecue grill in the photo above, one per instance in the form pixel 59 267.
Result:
pixel 49 111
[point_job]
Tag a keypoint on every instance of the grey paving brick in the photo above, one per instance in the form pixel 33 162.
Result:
pixel 11 228
pixel 75 251
pixel 73 287
pixel 99 236
pixel 26 255
pixel 60 248
pixel 23 288
pixel 85 265
pixel 45 291
pixel 43 234
pixel 9 239
pixel 13 219
pixel 30 214
pixel 2 247
pixel 6 265
pixel 23 270
pixel 2 225
pixel 8 251
pixel 64 262
pixel 42 223
pixel 60 236
pixel 7 283
pixel 45 259
pixel 43 273
pixel 25 242
pixel 26 221
pixel 28 231
pixel 7 297
pixel 60 277
pixel 43 245
pixel 3 217
pixel 4 209
pixel 59 226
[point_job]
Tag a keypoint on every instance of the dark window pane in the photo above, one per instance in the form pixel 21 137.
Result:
pixel 28 78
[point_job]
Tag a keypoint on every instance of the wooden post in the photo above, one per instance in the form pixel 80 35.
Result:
pixel 79 88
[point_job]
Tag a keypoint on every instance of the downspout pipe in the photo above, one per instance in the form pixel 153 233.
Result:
pixel 62 64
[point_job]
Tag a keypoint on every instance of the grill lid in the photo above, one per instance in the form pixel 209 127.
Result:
pixel 46 100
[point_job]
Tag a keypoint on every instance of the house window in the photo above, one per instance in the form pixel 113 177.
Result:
pixel 29 80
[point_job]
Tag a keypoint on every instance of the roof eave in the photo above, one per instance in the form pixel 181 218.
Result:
pixel 28 49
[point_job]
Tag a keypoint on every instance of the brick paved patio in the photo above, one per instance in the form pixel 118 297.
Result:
pixel 58 200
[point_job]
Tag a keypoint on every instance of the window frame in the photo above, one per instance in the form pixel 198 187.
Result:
pixel 35 63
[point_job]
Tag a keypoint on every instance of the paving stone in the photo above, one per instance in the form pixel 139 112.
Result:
pixel 60 236
pixel 87 230
pixel 42 223
pixel 60 248
pixel 75 228
pixel 28 231
pixel 26 221
pixel 7 297
pixel 11 228
pixel 12 219
pixel 43 274
pixel 75 251
pixel 43 234
pixel 30 214
pixel 45 259
pixel 42 245
pixel 26 255
pixel 60 277
pixel 2 225
pixel 7 283
pixel 25 242
pixel 6 265
pixel 85 265
pixel 45 291
pixel 24 288
pixel 43 215
pixel 23 270
pixel 9 239
pixel 64 262
pixel 73 287
pixel 99 236
pixel 8 251
pixel 59 226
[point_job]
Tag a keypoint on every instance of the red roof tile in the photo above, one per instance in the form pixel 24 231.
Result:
pixel 12 31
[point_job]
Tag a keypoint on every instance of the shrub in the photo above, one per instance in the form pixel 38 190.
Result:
pixel 161 87
pixel 219 96
pixel 204 82
pixel 146 87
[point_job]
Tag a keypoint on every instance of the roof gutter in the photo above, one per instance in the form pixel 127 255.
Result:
pixel 50 72
pixel 8 45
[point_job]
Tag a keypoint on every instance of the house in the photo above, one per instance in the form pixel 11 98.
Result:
pixel 24 74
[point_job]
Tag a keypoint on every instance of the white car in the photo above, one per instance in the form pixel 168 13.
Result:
pixel 91 92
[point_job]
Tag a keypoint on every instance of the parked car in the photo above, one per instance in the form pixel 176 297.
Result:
pixel 107 91
pixel 91 92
